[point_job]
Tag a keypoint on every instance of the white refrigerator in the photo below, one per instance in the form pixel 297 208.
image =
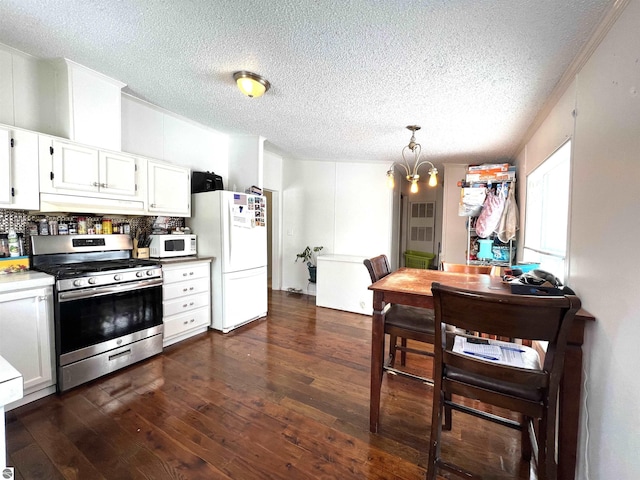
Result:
pixel 232 227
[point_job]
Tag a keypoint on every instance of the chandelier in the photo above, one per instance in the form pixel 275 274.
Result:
pixel 413 151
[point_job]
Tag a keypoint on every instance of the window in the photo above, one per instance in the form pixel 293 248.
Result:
pixel 547 212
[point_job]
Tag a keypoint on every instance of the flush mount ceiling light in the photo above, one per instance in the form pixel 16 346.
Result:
pixel 413 151
pixel 251 84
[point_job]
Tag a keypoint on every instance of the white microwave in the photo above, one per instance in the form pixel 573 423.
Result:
pixel 167 246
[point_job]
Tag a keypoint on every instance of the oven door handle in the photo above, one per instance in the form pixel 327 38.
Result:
pixel 99 291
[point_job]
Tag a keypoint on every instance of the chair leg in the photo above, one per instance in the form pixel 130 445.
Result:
pixel 525 440
pixel 392 349
pixel 436 430
pixel 447 413
pixel 403 353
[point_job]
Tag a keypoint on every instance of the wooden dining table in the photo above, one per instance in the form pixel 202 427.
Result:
pixel 410 286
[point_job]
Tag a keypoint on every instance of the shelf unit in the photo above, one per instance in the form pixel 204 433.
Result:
pixel 472 237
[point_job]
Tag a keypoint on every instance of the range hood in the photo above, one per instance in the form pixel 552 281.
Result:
pixel 54 202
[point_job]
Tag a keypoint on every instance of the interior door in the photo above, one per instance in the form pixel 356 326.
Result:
pixel 421 226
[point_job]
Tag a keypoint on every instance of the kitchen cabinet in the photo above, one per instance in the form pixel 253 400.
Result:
pixel 88 105
pixel 79 178
pixel 186 298
pixel 26 336
pixel 169 189
pixel 18 162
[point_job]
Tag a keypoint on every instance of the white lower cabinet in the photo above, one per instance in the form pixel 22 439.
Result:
pixel 186 299
pixel 27 338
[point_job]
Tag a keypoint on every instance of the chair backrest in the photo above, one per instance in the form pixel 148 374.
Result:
pixel 516 316
pixel 378 267
pixel 462 268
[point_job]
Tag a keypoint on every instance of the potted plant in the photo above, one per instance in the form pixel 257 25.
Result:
pixel 308 256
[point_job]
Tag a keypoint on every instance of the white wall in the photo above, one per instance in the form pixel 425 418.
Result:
pixel 344 207
pixel 603 246
pixel 154 132
pixel 454 233
pixel 273 165
pixel 246 162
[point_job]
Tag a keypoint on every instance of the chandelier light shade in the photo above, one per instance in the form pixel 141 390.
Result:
pixel 251 84
pixel 411 164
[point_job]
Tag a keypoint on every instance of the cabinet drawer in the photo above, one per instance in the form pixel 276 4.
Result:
pixel 178 324
pixel 185 304
pixel 182 289
pixel 185 273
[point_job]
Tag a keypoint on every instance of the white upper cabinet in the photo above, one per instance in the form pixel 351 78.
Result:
pixel 118 174
pixel 169 189
pixel 18 165
pixel 5 167
pixel 74 167
pixel 89 105
pixel 78 178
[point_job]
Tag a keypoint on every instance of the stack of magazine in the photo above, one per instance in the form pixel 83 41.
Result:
pixel 496 351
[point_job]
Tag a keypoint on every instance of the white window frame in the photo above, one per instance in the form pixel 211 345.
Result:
pixel 551 255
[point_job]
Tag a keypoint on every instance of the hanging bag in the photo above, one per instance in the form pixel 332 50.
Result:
pixel 509 221
pixel 490 216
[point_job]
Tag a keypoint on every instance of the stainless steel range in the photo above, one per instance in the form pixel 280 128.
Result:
pixel 108 306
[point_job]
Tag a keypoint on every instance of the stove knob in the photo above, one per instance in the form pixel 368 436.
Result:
pixel 139 274
pixel 77 283
pixel 92 280
pixel 150 273
pixel 117 278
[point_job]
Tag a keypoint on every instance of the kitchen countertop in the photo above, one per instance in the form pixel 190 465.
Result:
pixel 22 280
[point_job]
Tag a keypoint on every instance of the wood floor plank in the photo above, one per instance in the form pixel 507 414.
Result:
pixel 281 398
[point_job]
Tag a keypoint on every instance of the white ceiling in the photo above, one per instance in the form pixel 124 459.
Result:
pixel 347 76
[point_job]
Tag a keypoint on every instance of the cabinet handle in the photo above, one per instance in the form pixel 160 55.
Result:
pixel 103 185
pixel 184 289
pixel 153 205
pixel 42 298
pixel 190 273
pixel 191 288
pixel 185 322
pixel 95 184
pixel 192 320
pixel 184 274
pixel 185 305
pixel 191 304
pixel 121 354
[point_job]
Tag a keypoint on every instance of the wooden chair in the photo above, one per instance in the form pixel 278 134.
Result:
pixel 531 391
pixel 462 268
pixel 402 322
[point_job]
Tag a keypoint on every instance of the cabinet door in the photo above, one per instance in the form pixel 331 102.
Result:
pixel 5 167
pixel 26 191
pixel 26 335
pixel 75 167
pixel 169 189
pixel 18 169
pixel 118 174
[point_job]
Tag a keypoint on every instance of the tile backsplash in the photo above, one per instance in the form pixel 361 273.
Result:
pixel 19 220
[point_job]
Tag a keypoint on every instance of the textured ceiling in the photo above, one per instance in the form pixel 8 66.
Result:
pixel 346 76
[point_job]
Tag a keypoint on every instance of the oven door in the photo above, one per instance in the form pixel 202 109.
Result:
pixel 95 320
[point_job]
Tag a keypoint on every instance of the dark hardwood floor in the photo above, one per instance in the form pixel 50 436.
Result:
pixel 283 397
